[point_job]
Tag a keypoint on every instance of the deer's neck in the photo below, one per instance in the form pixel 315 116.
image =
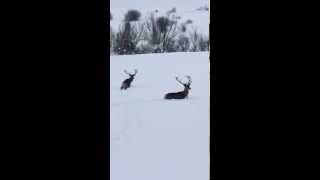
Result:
pixel 186 91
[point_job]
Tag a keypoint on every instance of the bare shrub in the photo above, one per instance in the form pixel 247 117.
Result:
pixel 132 15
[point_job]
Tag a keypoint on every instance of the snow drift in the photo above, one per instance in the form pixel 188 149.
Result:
pixel 153 138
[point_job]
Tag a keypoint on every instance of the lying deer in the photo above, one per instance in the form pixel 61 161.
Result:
pixel 182 94
pixel 127 83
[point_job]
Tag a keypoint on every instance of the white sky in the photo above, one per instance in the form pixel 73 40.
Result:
pixel 148 4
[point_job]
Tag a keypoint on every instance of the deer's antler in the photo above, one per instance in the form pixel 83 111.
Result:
pixel 125 71
pixel 189 79
pixel 180 81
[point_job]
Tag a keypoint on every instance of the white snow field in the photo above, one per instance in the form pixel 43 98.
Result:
pixel 153 138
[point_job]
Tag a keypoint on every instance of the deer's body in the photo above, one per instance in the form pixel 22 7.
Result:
pixel 177 95
pixel 127 83
pixel 182 94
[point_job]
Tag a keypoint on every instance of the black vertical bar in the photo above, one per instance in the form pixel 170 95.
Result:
pixel 102 96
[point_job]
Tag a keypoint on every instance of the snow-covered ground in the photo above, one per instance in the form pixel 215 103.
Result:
pixel 153 138
pixel 186 9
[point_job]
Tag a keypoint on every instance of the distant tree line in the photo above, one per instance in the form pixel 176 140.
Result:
pixel 155 34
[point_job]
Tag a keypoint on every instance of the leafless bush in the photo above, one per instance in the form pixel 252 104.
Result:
pixel 156 34
pixel 132 15
pixel 183 43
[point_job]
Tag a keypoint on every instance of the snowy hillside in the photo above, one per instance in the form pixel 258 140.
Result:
pixel 153 138
pixel 186 9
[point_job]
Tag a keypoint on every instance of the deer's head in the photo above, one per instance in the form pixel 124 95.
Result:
pixel 131 75
pixel 186 85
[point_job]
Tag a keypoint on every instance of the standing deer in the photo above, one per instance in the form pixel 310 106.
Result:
pixel 182 94
pixel 126 83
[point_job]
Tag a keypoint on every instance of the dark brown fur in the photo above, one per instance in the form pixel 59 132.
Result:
pixel 127 83
pixel 181 94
